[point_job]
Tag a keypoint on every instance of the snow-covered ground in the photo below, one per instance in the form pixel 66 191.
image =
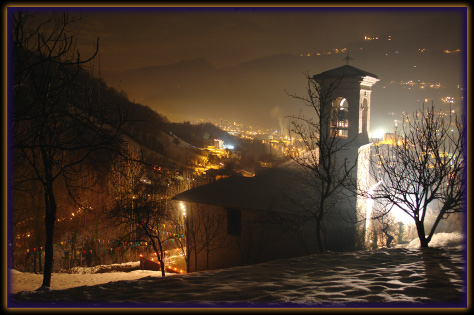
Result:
pixel 397 277
pixel 28 281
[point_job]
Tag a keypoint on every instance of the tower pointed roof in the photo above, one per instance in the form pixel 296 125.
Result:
pixel 345 71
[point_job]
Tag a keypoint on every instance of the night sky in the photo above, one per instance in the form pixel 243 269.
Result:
pixel 226 37
pixel 137 37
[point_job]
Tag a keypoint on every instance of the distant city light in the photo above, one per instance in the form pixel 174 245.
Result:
pixel 448 99
pixel 451 51
pixel 371 38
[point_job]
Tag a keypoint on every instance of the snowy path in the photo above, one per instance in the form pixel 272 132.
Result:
pixel 390 277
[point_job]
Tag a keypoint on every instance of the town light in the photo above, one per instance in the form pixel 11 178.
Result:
pixel 183 208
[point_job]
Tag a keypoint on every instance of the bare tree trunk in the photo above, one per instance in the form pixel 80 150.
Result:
pixel 160 256
pixel 420 229
pixel 195 261
pixel 318 236
pixel 188 250
pixel 38 246
pixel 39 261
pixel 49 220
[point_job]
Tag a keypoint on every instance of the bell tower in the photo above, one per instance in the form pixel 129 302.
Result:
pixel 350 90
pixel 345 103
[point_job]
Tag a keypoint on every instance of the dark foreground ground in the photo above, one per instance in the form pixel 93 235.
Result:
pixel 397 277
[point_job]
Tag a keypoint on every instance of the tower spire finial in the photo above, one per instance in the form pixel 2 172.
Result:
pixel 347 58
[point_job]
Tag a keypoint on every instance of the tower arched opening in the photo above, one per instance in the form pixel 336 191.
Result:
pixel 340 117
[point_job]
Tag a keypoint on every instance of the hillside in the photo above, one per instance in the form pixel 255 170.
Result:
pixel 169 144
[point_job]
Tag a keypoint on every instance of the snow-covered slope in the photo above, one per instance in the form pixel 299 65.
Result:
pixel 387 278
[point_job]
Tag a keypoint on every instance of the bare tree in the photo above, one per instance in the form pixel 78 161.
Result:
pixel 149 213
pixel 205 231
pixel 423 170
pixel 326 160
pixel 383 226
pixel 193 244
pixel 212 231
pixel 58 127
pixel 141 195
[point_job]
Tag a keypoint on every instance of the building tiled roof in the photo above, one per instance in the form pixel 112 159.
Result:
pixel 276 189
pixel 345 71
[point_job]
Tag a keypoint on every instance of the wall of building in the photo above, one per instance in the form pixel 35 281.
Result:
pixel 263 236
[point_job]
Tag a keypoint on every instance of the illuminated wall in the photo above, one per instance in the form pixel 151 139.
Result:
pixel 363 205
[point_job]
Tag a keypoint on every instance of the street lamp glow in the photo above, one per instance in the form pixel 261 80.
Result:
pixel 379 133
pixel 183 208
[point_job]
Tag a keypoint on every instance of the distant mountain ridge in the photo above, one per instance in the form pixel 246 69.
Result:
pixel 199 63
pixel 251 91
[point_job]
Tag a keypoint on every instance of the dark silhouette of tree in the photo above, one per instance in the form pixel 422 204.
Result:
pixel 205 231
pixel 193 244
pixel 385 230
pixel 212 231
pixel 326 159
pixel 60 124
pixel 141 204
pixel 423 171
